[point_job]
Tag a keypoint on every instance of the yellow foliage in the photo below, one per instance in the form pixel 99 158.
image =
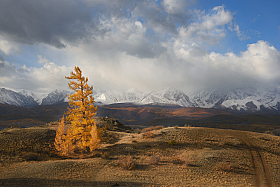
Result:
pixel 82 134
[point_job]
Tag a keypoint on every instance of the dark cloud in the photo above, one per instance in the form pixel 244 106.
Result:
pixel 51 22
pixel 1 58
pixel 152 13
pixel 156 17
pixel 7 69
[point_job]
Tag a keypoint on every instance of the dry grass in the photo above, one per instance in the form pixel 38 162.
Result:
pixel 152 128
pixel 196 161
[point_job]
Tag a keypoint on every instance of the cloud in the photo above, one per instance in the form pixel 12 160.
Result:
pixel 42 60
pixel 123 44
pixel 240 34
pixel 175 6
pixel 1 58
pixel 8 47
pixel 258 65
pixel 208 28
pixel 53 22
pixel 46 79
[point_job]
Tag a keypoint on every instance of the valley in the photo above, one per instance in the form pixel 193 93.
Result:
pixel 141 116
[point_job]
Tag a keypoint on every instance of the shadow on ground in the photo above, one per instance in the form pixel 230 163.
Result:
pixel 56 182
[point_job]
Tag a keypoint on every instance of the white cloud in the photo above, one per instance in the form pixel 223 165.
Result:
pixel 154 45
pixel 208 28
pixel 174 6
pixel 46 78
pixel 240 34
pixel 42 60
pixel 9 47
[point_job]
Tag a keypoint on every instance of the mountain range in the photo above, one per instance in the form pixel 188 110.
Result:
pixel 243 99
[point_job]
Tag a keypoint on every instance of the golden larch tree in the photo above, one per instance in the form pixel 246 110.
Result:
pixel 82 134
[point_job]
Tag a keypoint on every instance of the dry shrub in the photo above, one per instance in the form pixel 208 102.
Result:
pixel 148 134
pixel 127 162
pixel 105 155
pixel 172 142
pixel 154 159
pixel 187 125
pixel 176 160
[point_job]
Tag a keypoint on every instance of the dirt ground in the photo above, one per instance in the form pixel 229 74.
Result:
pixel 201 157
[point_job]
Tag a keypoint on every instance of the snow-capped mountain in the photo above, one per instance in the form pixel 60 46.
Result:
pixel 113 96
pixel 206 98
pixel 38 96
pixel 251 99
pixel 245 99
pixel 15 98
pixel 55 97
pixel 168 96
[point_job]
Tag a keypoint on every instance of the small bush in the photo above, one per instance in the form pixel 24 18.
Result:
pixel 154 159
pixel 172 142
pixel 148 134
pixel 176 160
pixel 127 162
pixel 105 155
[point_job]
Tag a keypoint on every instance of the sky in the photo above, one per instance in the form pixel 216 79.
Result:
pixel 146 45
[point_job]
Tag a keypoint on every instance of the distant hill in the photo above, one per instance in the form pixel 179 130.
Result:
pixel 144 115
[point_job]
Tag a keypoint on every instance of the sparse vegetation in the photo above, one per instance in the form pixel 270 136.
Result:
pixel 212 151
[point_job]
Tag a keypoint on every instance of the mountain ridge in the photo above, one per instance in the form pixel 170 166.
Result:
pixel 242 99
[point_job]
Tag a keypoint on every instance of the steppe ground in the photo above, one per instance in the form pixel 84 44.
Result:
pixel 201 157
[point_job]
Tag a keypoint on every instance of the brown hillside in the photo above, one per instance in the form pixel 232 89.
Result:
pixel 184 156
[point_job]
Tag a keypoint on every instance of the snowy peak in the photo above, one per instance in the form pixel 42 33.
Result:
pixel 168 96
pixel 251 99
pixel 15 98
pixel 55 97
pixel 113 96
pixel 207 98
pixel 245 99
pixel 37 96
